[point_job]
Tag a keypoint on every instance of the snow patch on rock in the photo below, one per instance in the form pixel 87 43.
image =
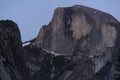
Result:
pixel 25 44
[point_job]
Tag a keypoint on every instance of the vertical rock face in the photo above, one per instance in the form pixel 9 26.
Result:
pixel 89 36
pixel 12 62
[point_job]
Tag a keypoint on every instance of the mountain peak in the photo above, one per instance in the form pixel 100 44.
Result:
pixel 82 31
pixel 79 43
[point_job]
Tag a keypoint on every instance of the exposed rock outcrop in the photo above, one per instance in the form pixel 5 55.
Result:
pixel 79 43
pixel 12 61
pixel 89 36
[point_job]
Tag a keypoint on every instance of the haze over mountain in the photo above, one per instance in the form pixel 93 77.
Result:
pixel 79 43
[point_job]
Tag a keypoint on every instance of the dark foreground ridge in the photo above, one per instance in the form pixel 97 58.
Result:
pixel 79 43
pixel 12 61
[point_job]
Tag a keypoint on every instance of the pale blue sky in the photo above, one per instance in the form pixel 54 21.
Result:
pixel 30 15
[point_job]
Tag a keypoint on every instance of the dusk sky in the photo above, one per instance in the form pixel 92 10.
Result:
pixel 30 15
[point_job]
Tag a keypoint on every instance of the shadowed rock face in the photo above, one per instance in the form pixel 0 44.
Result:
pixel 12 62
pixel 91 37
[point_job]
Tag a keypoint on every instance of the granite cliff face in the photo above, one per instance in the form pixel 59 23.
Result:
pixel 89 36
pixel 79 43
pixel 12 61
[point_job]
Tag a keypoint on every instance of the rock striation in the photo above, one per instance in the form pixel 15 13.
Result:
pixel 12 61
